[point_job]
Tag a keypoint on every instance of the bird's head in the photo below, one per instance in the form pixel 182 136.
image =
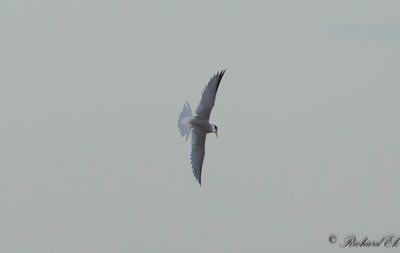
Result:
pixel 215 130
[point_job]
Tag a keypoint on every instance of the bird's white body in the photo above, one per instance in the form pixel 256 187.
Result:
pixel 202 126
pixel 187 122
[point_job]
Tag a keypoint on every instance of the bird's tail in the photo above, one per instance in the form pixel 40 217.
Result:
pixel 184 120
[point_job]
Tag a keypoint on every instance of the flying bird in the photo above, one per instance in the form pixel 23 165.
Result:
pixel 199 125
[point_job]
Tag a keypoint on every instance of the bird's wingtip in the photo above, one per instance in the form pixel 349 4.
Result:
pixel 198 179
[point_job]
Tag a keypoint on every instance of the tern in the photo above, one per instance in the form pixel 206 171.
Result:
pixel 199 125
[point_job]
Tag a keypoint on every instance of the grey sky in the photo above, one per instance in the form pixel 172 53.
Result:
pixel 92 161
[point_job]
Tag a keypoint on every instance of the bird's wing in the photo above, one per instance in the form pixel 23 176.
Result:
pixel 206 104
pixel 198 151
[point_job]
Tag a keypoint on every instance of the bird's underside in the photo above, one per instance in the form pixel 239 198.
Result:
pixel 201 125
pixel 198 126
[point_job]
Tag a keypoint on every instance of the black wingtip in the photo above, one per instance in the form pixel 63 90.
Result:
pixel 220 75
pixel 198 179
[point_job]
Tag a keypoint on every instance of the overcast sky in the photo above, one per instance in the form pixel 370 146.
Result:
pixel 308 117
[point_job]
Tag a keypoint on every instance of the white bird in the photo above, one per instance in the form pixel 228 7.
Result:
pixel 199 124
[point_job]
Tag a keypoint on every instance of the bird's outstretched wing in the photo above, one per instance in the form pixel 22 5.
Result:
pixel 206 104
pixel 198 151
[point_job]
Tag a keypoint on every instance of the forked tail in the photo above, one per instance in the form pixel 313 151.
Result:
pixel 184 120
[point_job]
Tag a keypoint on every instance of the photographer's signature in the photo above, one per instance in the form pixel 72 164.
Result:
pixel 351 241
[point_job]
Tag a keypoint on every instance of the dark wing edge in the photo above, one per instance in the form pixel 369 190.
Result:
pixel 219 75
pixel 197 154
pixel 207 101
